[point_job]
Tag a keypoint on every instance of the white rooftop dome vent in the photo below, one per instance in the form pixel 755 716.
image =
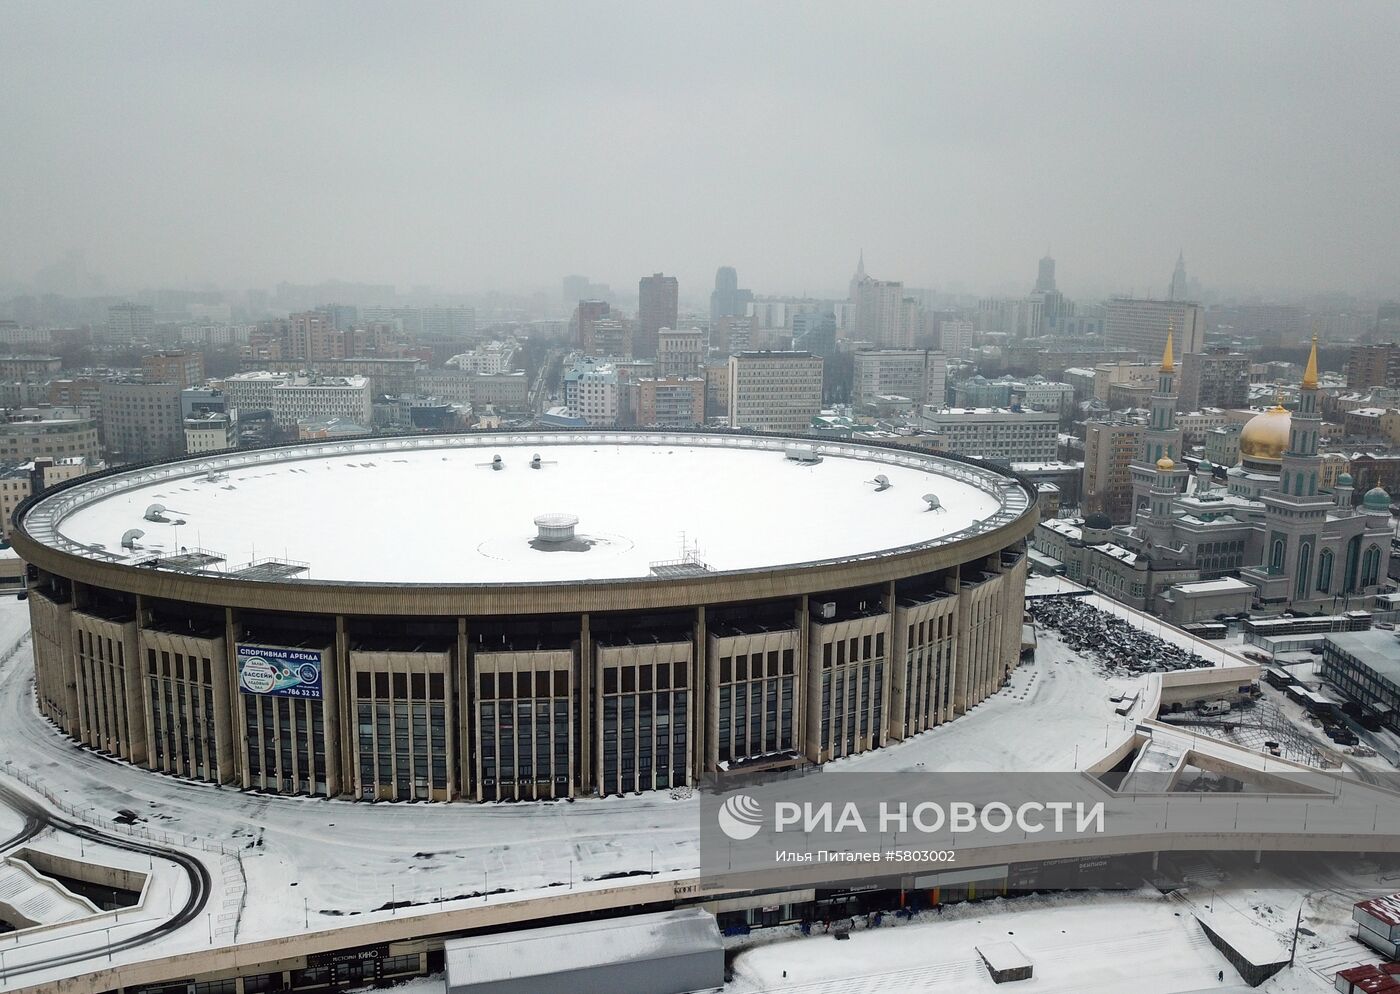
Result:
pixel 130 536
pixel 156 512
pixel 497 463
pixel 934 504
pixel 535 461
pixel 882 482
pixel 556 527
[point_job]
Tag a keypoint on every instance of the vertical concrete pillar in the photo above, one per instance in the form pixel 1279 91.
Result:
pixel 588 734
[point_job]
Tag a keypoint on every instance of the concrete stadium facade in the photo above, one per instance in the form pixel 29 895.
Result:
pixel 520 690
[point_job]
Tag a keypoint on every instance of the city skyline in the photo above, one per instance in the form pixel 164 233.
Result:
pixel 196 146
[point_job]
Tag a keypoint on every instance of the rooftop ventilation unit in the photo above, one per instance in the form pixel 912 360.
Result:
pixel 881 482
pixel 804 454
pixel 156 512
pixel 827 609
pixel 497 463
pixel 535 461
pixel 556 527
pixel 934 504
pixel 130 536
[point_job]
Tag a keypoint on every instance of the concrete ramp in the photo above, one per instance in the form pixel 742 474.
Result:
pixel 28 898
pixel 1156 768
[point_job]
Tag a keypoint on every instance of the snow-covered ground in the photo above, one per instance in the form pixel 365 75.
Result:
pixel 309 863
pixel 316 863
pixel 1143 942
pixel 1054 715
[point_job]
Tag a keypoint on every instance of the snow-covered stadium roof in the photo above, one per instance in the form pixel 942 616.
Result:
pixel 434 509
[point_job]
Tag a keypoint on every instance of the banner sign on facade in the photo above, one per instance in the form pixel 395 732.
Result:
pixel 279 672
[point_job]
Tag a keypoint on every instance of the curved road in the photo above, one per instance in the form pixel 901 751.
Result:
pixel 37 819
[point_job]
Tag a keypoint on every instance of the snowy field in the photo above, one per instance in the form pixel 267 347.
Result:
pixel 352 517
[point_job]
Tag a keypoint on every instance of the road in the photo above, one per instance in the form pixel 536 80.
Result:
pixel 37 819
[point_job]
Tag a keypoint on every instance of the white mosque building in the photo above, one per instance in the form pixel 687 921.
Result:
pixel 1270 539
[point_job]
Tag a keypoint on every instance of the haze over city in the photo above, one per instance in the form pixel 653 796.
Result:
pixel 699 497
pixel 497 147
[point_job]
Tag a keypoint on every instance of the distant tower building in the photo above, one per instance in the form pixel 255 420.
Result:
pixel 876 312
pixel 1178 289
pixel 574 287
pixel 581 327
pixel 657 308
pixel 727 300
pixel 1045 281
pixel 130 323
pixel 857 277
pixel 814 332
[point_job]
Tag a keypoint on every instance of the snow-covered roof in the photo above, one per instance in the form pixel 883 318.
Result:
pixel 432 509
pixel 480 960
pixel 1222 585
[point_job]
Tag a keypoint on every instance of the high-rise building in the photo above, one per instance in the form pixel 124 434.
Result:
pixel 314 336
pixel 1178 290
pixel 142 421
pixel 575 287
pixel 581 325
pixel 680 352
pixel 731 335
pixel 955 337
pixel 591 392
pixel 917 374
pixel 1216 377
pixel 997 434
pixel 672 401
pixel 1109 450
pixel 1387 321
pixel 611 337
pixel 1045 279
pixel 774 391
pixel 727 300
pixel 657 307
pixel 131 323
pixel 1370 366
pixel 1142 324
pixel 48 433
pixel 879 314
pixel 815 332
pixel 183 367
pixel 293 397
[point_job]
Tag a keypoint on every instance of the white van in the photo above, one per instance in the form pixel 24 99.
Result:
pixel 1214 708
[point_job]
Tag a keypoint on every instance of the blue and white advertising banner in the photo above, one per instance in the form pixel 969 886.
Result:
pixel 279 672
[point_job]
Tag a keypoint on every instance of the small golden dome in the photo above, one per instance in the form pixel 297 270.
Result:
pixel 1165 464
pixel 1265 437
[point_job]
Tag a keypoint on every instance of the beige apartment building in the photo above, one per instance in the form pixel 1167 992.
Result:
pixel 774 391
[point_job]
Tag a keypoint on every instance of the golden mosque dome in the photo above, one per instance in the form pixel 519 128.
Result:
pixel 1264 437
pixel 1165 464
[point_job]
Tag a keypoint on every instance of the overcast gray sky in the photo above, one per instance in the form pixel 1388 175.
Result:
pixel 502 146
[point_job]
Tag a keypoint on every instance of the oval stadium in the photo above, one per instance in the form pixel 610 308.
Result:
pixel 522 615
